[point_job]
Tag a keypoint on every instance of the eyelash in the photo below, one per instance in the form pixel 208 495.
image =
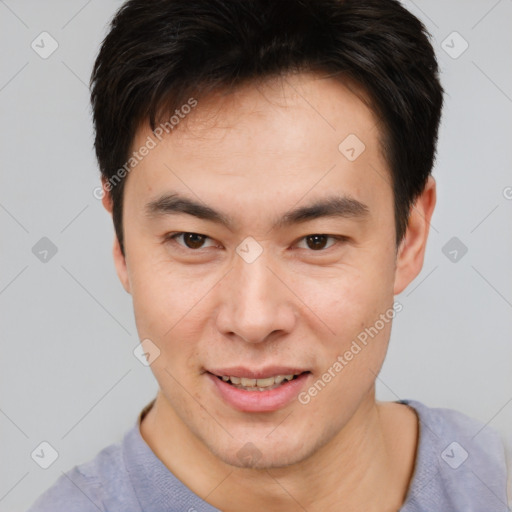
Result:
pixel 172 237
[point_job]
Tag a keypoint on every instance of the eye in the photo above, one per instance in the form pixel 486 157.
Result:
pixel 318 242
pixel 189 240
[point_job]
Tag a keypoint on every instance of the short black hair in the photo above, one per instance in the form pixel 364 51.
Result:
pixel 160 53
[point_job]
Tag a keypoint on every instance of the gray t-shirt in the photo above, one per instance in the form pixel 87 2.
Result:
pixel 460 466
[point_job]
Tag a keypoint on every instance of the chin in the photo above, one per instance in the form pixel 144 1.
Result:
pixel 256 452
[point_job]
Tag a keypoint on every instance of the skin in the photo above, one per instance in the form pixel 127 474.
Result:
pixel 253 155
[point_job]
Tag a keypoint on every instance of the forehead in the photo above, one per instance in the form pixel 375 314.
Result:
pixel 276 141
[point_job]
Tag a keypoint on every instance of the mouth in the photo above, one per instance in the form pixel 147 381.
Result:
pixel 258 391
pixel 266 384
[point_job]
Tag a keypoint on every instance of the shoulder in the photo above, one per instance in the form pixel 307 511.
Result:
pixel 460 463
pixel 89 487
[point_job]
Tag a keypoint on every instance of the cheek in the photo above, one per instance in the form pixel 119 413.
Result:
pixel 165 295
pixel 173 307
pixel 348 306
pixel 347 299
pixel 350 360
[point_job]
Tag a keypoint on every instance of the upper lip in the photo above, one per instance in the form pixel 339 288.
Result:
pixel 261 373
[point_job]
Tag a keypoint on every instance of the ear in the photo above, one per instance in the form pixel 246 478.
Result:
pixel 119 258
pixel 411 251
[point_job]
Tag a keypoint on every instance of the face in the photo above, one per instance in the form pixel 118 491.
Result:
pixel 286 258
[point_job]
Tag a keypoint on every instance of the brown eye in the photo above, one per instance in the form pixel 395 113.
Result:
pixel 316 242
pixel 193 240
pixel 319 242
pixel 190 240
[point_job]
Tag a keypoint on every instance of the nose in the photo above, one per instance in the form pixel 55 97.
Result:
pixel 255 302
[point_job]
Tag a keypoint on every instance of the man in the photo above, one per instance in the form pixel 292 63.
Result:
pixel 267 167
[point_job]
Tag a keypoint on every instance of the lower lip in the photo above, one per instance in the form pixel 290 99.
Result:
pixel 260 401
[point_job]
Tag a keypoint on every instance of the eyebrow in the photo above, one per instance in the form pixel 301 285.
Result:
pixel 333 206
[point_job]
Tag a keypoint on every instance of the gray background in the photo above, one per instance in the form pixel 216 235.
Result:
pixel 68 375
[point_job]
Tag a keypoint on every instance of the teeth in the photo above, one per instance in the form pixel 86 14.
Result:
pixel 258 384
pixel 263 383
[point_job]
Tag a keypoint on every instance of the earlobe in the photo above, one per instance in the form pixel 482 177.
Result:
pixel 119 258
pixel 106 198
pixel 121 267
pixel 411 251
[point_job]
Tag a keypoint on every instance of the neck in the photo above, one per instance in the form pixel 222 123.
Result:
pixel 366 466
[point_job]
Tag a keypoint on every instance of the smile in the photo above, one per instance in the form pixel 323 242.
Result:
pixel 249 384
pixel 258 391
